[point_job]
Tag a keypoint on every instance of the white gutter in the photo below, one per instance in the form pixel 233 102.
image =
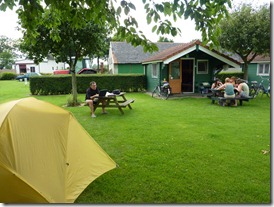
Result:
pixel 223 59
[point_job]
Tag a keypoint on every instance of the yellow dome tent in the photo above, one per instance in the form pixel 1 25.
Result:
pixel 46 156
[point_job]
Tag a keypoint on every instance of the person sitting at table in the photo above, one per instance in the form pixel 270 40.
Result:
pixel 92 94
pixel 242 88
pixel 229 89
pixel 233 80
pixel 217 83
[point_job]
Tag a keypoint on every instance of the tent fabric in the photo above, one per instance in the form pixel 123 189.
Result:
pixel 46 156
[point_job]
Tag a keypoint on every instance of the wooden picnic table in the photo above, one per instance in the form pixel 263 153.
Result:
pixel 218 95
pixel 114 101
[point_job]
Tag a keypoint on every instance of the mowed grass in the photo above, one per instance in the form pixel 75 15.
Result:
pixel 184 150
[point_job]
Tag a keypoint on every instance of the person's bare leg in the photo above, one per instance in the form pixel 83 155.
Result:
pixel 103 107
pixel 90 103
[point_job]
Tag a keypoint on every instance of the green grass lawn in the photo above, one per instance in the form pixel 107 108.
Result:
pixel 184 150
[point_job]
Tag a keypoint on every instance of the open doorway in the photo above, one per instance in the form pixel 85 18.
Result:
pixel 187 75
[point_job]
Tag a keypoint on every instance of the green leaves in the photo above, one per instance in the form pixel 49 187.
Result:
pixel 205 13
pixel 6 4
pixel 127 6
pixel 126 10
pixel 131 6
pixel 154 28
pixel 8 49
pixel 247 31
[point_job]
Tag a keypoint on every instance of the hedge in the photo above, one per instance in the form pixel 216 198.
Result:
pixel 61 84
pixel 7 76
pixel 223 75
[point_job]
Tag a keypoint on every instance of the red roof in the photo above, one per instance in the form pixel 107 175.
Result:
pixel 164 55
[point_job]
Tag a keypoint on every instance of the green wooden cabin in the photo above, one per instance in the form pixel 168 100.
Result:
pixel 185 67
pixel 259 68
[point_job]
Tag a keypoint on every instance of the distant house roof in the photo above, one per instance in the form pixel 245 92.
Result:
pixel 124 53
pixel 261 58
pixel 175 52
pixel 257 59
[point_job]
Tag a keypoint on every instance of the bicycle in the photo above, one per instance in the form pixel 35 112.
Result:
pixel 255 89
pixel 162 91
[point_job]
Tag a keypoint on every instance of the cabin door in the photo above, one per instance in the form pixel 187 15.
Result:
pixel 175 77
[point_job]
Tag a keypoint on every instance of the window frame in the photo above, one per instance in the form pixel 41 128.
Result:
pixel 154 71
pixel 263 72
pixel 32 69
pixel 197 68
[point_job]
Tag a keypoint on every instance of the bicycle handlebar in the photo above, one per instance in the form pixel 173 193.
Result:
pixel 263 79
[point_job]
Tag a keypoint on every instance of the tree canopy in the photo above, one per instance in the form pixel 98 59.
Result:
pixel 72 44
pixel 247 33
pixel 8 54
pixel 205 13
pixel 40 26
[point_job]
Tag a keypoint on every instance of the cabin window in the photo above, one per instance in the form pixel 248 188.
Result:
pixel 175 70
pixel 32 69
pixel 263 69
pixel 154 71
pixel 202 66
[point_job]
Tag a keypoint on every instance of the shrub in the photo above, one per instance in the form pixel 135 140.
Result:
pixel 7 76
pixel 61 84
pixel 223 75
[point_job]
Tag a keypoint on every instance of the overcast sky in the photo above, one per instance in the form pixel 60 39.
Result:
pixel 8 23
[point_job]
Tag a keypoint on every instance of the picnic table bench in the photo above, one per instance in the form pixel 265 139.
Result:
pixel 216 96
pixel 222 100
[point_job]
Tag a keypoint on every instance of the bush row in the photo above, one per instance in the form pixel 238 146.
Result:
pixel 61 84
pixel 223 75
pixel 7 76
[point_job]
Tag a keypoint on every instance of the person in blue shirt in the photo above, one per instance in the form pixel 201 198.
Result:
pixel 229 89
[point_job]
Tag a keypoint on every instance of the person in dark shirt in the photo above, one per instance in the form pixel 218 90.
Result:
pixel 92 95
pixel 217 83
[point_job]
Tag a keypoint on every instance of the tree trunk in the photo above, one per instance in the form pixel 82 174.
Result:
pixel 245 69
pixel 74 86
pixel 98 67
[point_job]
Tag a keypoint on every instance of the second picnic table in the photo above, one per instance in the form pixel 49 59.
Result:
pixel 218 95
pixel 113 101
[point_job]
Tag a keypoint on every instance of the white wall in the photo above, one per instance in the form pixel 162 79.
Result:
pixel 47 66
pixel 50 65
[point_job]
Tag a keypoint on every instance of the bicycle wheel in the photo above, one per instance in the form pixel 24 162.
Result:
pixel 268 92
pixel 264 90
pixel 156 92
pixel 165 93
pixel 253 92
